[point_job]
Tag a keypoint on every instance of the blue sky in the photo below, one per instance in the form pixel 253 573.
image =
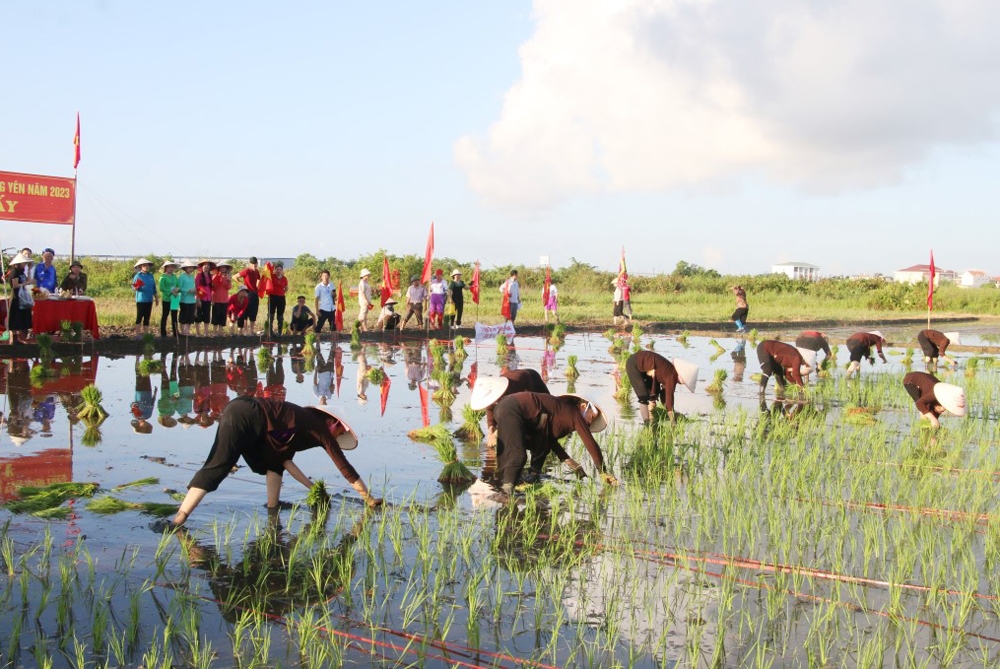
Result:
pixel 852 135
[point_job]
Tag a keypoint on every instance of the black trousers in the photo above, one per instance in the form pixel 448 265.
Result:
pixel 165 313
pixel 642 383
pixel 276 307
pixel 769 367
pixel 516 435
pixel 241 429
pixel 928 347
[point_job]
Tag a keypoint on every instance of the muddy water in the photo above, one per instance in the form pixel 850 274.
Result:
pixel 146 435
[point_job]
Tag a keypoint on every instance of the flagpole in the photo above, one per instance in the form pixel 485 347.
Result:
pixel 76 189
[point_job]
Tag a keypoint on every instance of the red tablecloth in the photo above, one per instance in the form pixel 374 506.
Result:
pixel 47 315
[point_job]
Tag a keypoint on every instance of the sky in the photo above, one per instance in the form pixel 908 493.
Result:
pixel 856 135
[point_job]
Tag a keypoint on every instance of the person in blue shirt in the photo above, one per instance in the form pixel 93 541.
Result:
pixel 146 296
pixel 45 272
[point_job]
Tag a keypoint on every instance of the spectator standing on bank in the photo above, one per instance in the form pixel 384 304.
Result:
pixel 277 286
pixel 455 290
pixel 364 299
pixel 416 295
pixel 169 287
pixel 203 285
pixel 325 293
pixel 250 276
pixel 189 296
pixel 511 291
pixel 221 284
pixel 144 286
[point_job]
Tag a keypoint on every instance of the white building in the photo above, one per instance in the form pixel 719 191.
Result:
pixel 918 273
pixel 797 270
pixel 973 278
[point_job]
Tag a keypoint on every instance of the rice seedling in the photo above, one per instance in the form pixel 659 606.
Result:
pixel 139 483
pixel 436 350
pixel 502 346
pixel 91 406
pixel 149 366
pixel 718 347
pixel 35 499
pixel 432 434
pixel 318 496
pixel 376 375
pixel 459 346
pixel 309 344
pixel 107 505
pixel 356 336
pixel 558 334
pixel 454 471
pixel 718 382
pixel 471 428
pixel 682 338
pixel 624 390
pixel 971 366
pixel 571 371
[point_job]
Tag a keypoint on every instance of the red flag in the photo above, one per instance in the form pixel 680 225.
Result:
pixel 264 282
pixel 387 286
pixel 384 393
pixel 474 287
pixel 505 301
pixel 424 409
pixel 338 316
pixel 76 143
pixel 622 268
pixel 428 255
pixel 930 285
pixel 546 286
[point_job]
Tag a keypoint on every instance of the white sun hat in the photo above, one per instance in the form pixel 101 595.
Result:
pixel 687 372
pixel 951 398
pixel 600 422
pixel 954 338
pixel 188 263
pixel 877 334
pixel 347 441
pixel 487 391
pixel 807 355
pixel 19 259
pixel 365 273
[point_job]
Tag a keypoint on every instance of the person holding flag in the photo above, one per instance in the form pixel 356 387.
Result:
pixel 550 297
pixel 511 297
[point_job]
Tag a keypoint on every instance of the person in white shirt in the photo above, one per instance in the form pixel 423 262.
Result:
pixel 325 295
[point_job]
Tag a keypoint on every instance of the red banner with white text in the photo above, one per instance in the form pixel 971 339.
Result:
pixel 34 198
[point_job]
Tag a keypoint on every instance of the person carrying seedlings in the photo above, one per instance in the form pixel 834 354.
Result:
pixel 535 422
pixel 815 341
pixel 860 345
pixel 416 295
pixel 933 398
pixel 934 344
pixel 144 286
pixel 388 319
pixel 365 303
pixel 654 377
pixel 783 361
pixel 267 434
pixel 739 316
pixel 302 316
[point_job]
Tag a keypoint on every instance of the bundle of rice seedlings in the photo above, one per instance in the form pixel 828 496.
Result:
pixel 718 347
pixel 264 358
pixel 720 378
pixel 44 342
pixel 753 337
pixel 558 335
pixel 454 472
pixel 610 334
pixel 833 352
pixel 317 494
pixel 55 513
pixel 636 333
pixel 443 396
pixel 971 366
pixel 683 338
pixel 470 430
pixel 149 366
pixel 376 375
pixel 108 505
pixel 91 407
pixel 39 373
pixel 35 499
pixel 501 344
pixel 571 371
pixel 624 383
pixel 431 434
pixel 460 352
pixel 859 416
pixel 92 434
pixel 149 480
pixel 148 343
pixel 445 414
pixel 617 346
pixel 356 336
pixel 437 354
pixel 309 347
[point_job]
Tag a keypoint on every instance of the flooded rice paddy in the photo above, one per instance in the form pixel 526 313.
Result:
pixel 824 529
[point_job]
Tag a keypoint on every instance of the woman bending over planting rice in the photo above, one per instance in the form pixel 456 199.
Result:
pixel 860 346
pixel 267 434
pixel 782 361
pixel 654 377
pixel 933 398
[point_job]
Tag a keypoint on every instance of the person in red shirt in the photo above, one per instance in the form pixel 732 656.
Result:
pixel 934 344
pixel 933 398
pixel 239 302
pixel 250 276
pixel 203 289
pixel 277 286
pixel 781 361
pixel 860 346
pixel 267 434
pixel 221 283
pixel 654 377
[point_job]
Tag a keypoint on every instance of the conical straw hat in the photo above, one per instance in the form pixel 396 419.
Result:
pixel 487 391
pixel 347 441
pixel 142 261
pixel 808 355
pixel 954 338
pixel 951 398
pixel 687 372
pixel 877 334
pixel 600 422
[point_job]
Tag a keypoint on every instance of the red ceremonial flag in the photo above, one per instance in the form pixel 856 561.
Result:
pixel 76 143
pixel 338 316
pixel 384 393
pixel 930 284
pixel 546 286
pixel 622 268
pixel 425 414
pixel 505 301
pixel 428 255
pixel 387 286
pixel 474 287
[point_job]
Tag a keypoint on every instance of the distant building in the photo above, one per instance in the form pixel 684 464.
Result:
pixel 797 270
pixel 918 273
pixel 973 278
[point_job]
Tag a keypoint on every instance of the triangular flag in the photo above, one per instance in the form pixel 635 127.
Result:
pixel 338 316
pixel 384 393
pixel 474 286
pixel 546 286
pixel 428 256
pixel 387 286
pixel 424 408
pixel 930 284
pixel 76 143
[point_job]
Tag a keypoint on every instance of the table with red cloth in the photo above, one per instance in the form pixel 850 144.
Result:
pixel 47 315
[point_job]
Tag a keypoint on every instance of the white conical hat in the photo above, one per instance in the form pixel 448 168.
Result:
pixel 600 422
pixel 808 356
pixel 688 372
pixel 140 262
pixel 19 259
pixel 19 441
pixel 951 398
pixel 347 441
pixel 877 334
pixel 954 338
pixel 487 391
pixel 188 263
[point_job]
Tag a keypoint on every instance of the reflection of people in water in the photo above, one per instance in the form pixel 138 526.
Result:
pixel 739 356
pixel 414 365
pixel 274 378
pixel 363 381
pixel 19 401
pixel 169 392
pixel 323 377
pixel 267 434
pixel 276 574
pixel 145 401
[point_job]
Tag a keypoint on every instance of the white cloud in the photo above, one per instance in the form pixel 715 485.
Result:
pixel 625 95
